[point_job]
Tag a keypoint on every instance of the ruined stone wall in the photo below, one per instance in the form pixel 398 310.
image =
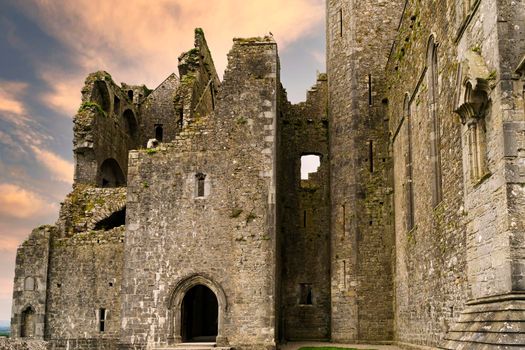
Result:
pixel 30 285
pixel 305 218
pixel 359 36
pixel 106 127
pixel 224 239
pixel 85 276
pixel 158 109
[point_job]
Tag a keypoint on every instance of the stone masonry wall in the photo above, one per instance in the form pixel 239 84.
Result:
pixel 305 218
pixel 30 285
pixel 106 127
pixel 85 276
pixel 359 36
pixel 227 236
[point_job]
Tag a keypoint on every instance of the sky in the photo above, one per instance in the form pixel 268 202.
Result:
pixel 48 47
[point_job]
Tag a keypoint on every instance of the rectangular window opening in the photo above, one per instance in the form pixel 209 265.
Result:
pixel 102 319
pixel 200 182
pixel 306 294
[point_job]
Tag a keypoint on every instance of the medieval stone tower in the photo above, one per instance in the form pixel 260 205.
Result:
pixel 190 222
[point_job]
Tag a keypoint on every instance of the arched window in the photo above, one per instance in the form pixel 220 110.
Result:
pixel 100 95
pixel 27 324
pixel 159 133
pixel 130 123
pixel 200 185
pixel 435 133
pixel 29 283
pixel 409 195
pixel 111 174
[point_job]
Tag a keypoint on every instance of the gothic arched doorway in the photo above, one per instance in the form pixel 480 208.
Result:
pixel 199 314
pixel 27 326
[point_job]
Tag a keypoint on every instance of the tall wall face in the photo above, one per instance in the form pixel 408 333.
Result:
pixel 223 237
pixel 359 37
pixel 304 214
pixel 455 261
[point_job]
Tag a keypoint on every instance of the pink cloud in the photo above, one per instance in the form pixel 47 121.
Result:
pixel 61 169
pixel 17 202
pixel 140 41
pixel 11 94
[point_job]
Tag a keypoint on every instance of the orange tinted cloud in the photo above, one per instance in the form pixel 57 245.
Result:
pixel 20 203
pixel 61 169
pixel 11 96
pixel 139 41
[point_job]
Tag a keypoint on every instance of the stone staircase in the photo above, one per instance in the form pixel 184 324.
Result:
pixel 495 323
pixel 193 346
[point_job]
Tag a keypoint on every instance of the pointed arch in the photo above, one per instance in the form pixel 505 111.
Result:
pixel 176 297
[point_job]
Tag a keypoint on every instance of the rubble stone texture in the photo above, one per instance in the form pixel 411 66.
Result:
pixel 411 231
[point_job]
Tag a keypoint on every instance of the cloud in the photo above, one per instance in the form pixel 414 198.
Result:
pixel 140 41
pixel 11 94
pixel 20 203
pixel 59 167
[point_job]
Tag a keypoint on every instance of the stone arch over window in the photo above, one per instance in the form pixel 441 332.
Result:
pixel 29 283
pixel 473 108
pixel 130 123
pixel 100 95
pixel 409 189
pixel 435 122
pixel 176 298
pixel 110 174
pixel 27 322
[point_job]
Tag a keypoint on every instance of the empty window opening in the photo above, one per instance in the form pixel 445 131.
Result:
pixel 102 319
pixel 100 95
pixel 159 133
pixel 309 164
pixel 341 22
pixel 111 284
pixel 116 219
pixel 116 105
pixel 199 314
pixel 111 174
pixel 452 311
pixel 200 180
pixel 29 283
pixel 59 285
pixel 130 95
pixel 371 155
pixel 181 117
pixel 130 123
pixel 27 326
pixel 370 89
pixel 306 297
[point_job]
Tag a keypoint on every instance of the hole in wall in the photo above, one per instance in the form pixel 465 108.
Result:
pixel 116 219
pixel 309 165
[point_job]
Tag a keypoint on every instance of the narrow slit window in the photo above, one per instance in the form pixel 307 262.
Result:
pixel 371 155
pixel 370 90
pixel 306 294
pixel 309 165
pixel 102 319
pixel 159 132
pixel 340 22
pixel 130 95
pixel 304 218
pixel 200 182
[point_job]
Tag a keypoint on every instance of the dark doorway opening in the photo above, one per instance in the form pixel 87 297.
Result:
pixel 200 311
pixel 111 174
pixel 27 329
